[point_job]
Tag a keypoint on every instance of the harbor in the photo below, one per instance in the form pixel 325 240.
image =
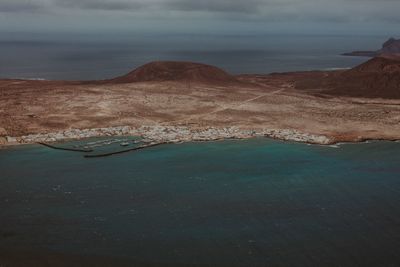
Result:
pixel 106 147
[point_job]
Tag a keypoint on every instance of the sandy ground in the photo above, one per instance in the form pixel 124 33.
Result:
pixel 261 101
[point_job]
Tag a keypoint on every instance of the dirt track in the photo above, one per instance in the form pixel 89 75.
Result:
pixel 269 101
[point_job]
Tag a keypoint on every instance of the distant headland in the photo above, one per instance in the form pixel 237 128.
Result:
pixel 390 47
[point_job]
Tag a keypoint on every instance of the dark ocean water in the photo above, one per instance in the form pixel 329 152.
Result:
pixel 80 57
pixel 233 203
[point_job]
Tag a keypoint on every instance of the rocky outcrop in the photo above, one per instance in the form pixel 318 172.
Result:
pixel 3 132
pixel 3 140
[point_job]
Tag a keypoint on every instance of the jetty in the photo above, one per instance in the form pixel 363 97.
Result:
pixel 101 143
pixel 65 148
pixel 126 150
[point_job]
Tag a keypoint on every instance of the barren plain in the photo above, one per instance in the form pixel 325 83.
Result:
pixel 198 98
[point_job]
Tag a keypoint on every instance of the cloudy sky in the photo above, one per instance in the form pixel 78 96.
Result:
pixel 233 16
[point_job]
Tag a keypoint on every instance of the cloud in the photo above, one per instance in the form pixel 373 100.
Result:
pixel 235 6
pixel 217 6
pixel 287 11
pixel 220 6
pixel 102 4
pixel 21 5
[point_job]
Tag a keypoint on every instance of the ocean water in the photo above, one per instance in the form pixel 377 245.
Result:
pixel 89 57
pixel 253 202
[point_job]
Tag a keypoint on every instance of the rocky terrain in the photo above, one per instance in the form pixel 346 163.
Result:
pixel 178 102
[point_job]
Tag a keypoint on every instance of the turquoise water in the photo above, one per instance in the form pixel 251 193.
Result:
pixel 234 203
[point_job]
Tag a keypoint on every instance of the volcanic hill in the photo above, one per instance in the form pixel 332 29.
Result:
pixel 161 71
pixel 379 77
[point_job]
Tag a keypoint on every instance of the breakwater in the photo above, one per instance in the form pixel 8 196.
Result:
pixel 65 148
pixel 102 155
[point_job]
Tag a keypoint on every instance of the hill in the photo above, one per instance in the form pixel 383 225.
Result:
pixel 377 78
pixel 162 71
pixel 390 47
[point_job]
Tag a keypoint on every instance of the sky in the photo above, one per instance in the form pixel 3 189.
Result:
pixel 202 16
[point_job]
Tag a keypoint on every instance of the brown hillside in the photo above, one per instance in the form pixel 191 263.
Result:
pixel 378 77
pixel 176 71
pixel 382 64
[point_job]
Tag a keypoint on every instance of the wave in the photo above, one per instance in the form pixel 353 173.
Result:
pixel 331 69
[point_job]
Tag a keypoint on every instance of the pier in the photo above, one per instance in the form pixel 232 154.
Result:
pixel 89 150
pixel 126 150
pixel 64 148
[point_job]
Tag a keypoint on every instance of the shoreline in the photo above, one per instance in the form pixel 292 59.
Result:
pixel 286 106
pixel 180 134
pixel 170 134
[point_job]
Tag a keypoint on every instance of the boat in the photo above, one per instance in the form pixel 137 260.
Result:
pixel 124 144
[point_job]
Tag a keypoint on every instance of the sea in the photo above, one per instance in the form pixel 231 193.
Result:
pixel 95 56
pixel 257 202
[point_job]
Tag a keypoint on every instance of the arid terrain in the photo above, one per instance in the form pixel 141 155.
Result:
pixel 359 104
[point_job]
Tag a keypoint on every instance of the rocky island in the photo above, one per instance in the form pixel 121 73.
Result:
pixel 181 101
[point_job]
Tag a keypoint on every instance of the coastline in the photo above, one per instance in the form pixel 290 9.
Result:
pixel 179 134
pixel 170 134
pixel 286 106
